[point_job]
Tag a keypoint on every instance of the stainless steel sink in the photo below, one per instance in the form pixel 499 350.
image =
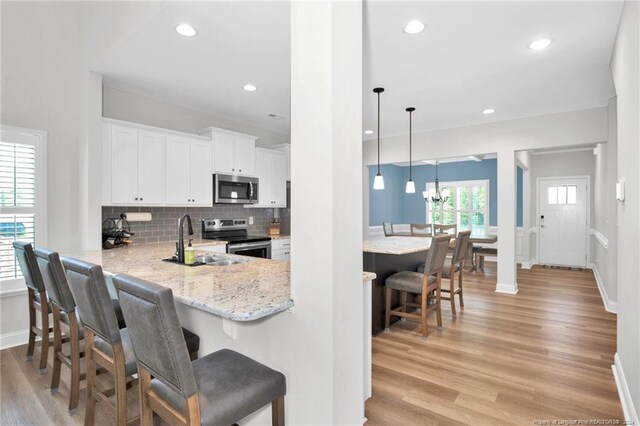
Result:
pixel 217 260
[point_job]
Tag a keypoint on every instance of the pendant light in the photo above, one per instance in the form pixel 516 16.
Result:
pixel 411 186
pixel 378 182
pixel 435 196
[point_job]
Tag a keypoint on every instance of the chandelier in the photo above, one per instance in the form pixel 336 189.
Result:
pixel 434 194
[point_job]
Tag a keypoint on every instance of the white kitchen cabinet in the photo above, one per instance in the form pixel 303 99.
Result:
pixel 224 153
pixel 136 166
pixel 201 173
pixel 271 170
pixel 177 188
pixel 245 154
pixel 281 249
pixel 150 169
pixel 189 175
pixel 234 153
pixel 286 148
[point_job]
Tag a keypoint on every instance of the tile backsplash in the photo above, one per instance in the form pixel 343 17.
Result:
pixel 164 223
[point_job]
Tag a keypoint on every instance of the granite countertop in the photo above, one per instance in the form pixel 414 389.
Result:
pixel 395 245
pixel 240 292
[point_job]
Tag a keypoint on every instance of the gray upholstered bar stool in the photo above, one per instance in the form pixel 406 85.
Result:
pixel 419 284
pixel 38 302
pixel 218 389
pixel 105 344
pixel 453 266
pixel 65 321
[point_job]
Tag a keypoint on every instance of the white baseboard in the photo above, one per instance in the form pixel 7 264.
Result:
pixel 507 288
pixel 16 338
pixel 526 265
pixel 609 305
pixel 630 414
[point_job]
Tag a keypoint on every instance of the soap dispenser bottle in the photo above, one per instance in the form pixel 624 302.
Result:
pixel 189 254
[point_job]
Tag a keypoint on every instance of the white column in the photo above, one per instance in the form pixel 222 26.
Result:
pixel 506 223
pixel 90 158
pixel 326 217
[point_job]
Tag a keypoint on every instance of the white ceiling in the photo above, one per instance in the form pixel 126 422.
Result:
pixel 474 55
pixel 237 43
pixel 471 56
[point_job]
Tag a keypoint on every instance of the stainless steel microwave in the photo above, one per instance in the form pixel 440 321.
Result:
pixel 232 189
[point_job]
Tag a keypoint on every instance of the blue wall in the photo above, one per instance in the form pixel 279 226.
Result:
pixel 394 205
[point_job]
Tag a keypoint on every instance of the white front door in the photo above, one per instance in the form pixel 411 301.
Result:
pixel 562 221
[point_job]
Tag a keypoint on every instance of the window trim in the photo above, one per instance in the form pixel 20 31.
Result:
pixel 472 182
pixel 37 138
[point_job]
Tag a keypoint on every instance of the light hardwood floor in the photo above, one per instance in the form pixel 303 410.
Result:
pixel 543 354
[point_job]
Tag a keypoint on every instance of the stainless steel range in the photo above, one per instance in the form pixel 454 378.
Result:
pixel 234 231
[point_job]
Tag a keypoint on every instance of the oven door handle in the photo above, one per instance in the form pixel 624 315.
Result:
pixel 236 247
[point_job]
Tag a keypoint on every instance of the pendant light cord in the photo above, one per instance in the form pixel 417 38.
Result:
pixel 410 133
pixel 378 132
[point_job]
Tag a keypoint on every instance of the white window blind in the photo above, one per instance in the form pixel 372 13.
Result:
pixel 17 202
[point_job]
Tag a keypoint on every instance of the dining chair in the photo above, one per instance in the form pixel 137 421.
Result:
pixel 218 389
pixel 445 229
pixel 421 229
pixel 387 227
pixel 420 284
pixel 38 302
pixel 452 266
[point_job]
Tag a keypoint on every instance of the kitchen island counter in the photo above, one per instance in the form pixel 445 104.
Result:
pixel 395 245
pixel 241 292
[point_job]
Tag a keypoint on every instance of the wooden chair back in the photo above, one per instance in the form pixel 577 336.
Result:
pixel 387 227
pixel 445 229
pixel 462 243
pixel 421 229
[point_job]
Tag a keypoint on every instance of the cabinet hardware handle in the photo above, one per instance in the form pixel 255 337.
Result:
pixel 136 198
pixel 189 200
pixel 140 198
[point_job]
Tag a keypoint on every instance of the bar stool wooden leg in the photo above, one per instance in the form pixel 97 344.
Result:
pixel 423 315
pixel 90 412
pixel 44 347
pixel 460 287
pixel 121 385
pixel 75 363
pixel 32 324
pixel 277 412
pixel 57 348
pixel 144 383
pixel 452 294
pixel 387 310
pixel 438 300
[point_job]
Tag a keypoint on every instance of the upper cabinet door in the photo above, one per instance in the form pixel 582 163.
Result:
pixel 201 175
pixel 150 167
pixel 124 165
pixel 245 155
pixel 279 179
pixel 177 189
pixel 263 168
pixel 224 153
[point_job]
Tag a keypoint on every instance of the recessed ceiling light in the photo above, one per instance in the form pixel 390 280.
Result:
pixel 368 132
pixel 488 111
pixel 186 30
pixel 275 116
pixel 414 27
pixel 249 87
pixel 541 44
